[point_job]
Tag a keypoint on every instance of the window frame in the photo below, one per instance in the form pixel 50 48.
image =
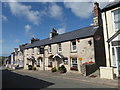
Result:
pixel 72 46
pixel 49 49
pixel 32 50
pixel 74 61
pixel 113 17
pixel 38 50
pixel 59 44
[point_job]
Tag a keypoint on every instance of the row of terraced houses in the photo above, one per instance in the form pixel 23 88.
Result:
pixel 83 51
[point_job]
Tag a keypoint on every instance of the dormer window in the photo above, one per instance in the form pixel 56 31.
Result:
pixel 49 49
pixel 59 47
pixel 73 46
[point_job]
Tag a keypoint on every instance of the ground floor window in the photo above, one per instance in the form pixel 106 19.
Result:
pixel 74 65
pixel 116 56
pixel 65 60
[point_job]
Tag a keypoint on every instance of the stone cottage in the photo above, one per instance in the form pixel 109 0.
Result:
pixel 73 49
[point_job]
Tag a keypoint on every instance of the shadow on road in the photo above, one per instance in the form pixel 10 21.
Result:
pixel 14 80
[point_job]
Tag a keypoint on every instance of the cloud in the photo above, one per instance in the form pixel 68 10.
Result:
pixel 28 31
pixel 4 18
pixel 55 11
pixel 18 9
pixel 84 8
pixel 27 27
pixel 17 41
pixel 61 30
pixel 80 9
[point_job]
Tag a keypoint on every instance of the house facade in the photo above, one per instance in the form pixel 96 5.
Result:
pixel 71 49
pixel 17 57
pixel 111 28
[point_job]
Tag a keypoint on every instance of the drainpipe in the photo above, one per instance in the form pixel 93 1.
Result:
pixel 44 59
pixel 108 38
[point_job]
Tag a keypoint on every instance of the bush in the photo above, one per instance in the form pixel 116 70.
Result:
pixel 62 69
pixel 30 67
pixel 54 69
pixel 59 68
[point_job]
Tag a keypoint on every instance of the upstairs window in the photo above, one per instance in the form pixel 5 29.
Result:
pixel 38 50
pixel 49 49
pixel 59 47
pixel 116 19
pixel 73 46
pixel 32 50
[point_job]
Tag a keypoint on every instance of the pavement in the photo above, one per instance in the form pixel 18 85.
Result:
pixel 73 76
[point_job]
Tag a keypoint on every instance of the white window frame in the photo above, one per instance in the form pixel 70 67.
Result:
pixel 116 57
pixel 49 49
pixel 114 20
pixel 38 50
pixel 59 48
pixel 26 52
pixel 32 50
pixel 72 46
pixel 74 63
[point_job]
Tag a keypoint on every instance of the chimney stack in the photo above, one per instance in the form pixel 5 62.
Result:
pixel 53 33
pixel 97 15
pixel 33 40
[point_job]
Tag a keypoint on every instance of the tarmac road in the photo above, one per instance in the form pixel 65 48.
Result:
pixel 31 80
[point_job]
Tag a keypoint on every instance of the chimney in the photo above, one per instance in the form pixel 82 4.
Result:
pixel 97 15
pixel 53 33
pixel 33 40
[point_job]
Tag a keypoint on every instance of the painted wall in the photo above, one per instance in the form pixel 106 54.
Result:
pixel 108 23
pixel 84 51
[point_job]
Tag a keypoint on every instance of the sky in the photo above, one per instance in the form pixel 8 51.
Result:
pixel 23 20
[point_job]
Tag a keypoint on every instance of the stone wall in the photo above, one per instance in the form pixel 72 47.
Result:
pixel 88 69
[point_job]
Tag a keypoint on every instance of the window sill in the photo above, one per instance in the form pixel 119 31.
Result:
pixel 73 51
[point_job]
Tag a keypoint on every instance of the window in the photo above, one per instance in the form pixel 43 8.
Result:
pixel 113 56
pixel 26 51
pixel 73 46
pixel 32 50
pixel 73 62
pixel 49 49
pixel 65 60
pixel 38 50
pixel 59 47
pixel 116 19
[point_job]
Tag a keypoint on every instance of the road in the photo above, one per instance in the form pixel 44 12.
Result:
pixel 21 80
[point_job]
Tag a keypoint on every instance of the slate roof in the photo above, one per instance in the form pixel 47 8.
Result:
pixel 76 34
pixel 111 5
